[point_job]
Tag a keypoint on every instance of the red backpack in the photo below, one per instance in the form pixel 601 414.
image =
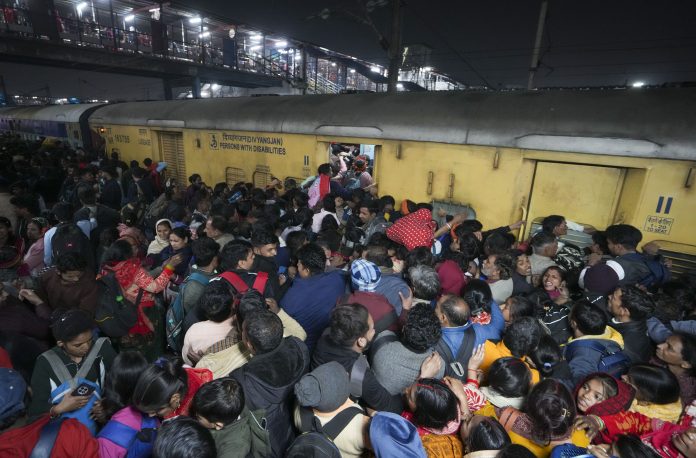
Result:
pixel 241 287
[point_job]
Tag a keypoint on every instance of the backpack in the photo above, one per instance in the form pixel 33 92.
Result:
pixel 571 259
pixel 47 439
pixel 659 273
pixel 175 314
pixel 317 440
pixel 455 366
pixel 241 287
pixel 115 314
pixel 68 383
pixel 612 362
pixel 137 442
pixel 69 238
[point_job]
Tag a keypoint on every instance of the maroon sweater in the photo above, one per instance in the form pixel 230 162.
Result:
pixel 83 294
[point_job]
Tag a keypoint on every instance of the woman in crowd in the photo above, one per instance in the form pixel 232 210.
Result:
pixel 436 411
pixel 139 288
pixel 34 259
pixel 179 245
pixel 546 421
pixel 163 228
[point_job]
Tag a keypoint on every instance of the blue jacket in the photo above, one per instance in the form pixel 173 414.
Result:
pixel 583 360
pixel 389 286
pixel 310 301
pixel 493 331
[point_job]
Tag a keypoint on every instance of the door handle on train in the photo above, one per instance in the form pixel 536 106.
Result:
pixel 523 217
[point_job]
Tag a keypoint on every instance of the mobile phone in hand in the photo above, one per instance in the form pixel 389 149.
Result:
pixel 84 389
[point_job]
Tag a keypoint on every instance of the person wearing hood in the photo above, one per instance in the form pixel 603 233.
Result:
pixel 163 228
pixel 269 378
pixel 589 323
pixel 324 394
pixel 600 280
pixel 644 401
pixel 392 435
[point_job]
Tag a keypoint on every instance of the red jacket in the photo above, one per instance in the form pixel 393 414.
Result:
pixel 73 441
pixel 378 306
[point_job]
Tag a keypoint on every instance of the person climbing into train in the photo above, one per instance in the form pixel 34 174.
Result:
pixel 322 184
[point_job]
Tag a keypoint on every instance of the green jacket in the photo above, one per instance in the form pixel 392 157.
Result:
pixel 244 438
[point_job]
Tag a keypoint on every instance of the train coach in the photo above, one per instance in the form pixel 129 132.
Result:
pixel 67 123
pixel 598 157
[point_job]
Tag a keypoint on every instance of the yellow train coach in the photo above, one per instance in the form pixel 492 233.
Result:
pixel 597 157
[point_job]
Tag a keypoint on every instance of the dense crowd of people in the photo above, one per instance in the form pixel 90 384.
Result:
pixel 144 317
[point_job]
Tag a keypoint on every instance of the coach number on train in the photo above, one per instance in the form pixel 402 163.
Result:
pixel 249 143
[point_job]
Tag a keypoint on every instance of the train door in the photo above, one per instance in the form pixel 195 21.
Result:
pixel 582 193
pixel 172 152
pixel 358 156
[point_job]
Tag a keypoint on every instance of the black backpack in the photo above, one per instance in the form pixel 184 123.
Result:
pixel 317 440
pixel 455 366
pixel 69 238
pixel 115 314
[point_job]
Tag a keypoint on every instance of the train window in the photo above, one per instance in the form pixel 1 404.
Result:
pixel 262 176
pixel 234 175
pixel 682 257
pixel 579 239
pixel 450 208
pixel 172 152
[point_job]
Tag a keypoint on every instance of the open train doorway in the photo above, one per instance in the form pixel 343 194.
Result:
pixel 354 162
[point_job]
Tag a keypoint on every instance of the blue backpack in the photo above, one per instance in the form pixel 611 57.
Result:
pixel 68 383
pixel 137 442
pixel 612 362
pixel 175 314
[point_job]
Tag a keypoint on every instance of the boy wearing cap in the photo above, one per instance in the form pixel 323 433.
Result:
pixel 365 278
pixel 324 394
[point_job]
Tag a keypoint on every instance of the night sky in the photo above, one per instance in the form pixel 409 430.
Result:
pixel 586 43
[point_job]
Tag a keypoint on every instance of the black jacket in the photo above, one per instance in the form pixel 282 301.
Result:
pixel 374 394
pixel 268 381
pixel 141 189
pixel 637 343
pixel 111 195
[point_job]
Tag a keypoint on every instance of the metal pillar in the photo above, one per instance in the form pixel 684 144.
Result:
pixel 196 89
pixel 167 89
pixel 537 44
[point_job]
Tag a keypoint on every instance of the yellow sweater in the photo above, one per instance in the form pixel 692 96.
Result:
pixel 578 438
pixel 498 350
